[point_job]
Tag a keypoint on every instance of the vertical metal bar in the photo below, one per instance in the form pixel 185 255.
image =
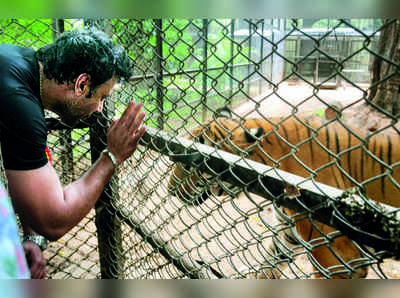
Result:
pixel 298 52
pixel 273 54
pixel 248 64
pixel 60 25
pixel 205 66
pixel 261 56
pixel 65 136
pixel 66 139
pixel 159 74
pixel 231 64
pixel 54 28
pixel 109 230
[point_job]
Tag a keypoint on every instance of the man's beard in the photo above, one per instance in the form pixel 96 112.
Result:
pixel 69 114
pixel 70 120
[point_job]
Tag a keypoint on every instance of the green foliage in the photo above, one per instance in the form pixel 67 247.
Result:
pixel 134 35
pixel 182 61
pixel 26 32
pixel 33 33
pixel 361 24
pixel 183 74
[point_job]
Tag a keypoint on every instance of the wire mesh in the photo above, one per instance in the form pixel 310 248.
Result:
pixel 172 215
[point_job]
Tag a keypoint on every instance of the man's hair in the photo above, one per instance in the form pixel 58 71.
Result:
pixel 89 51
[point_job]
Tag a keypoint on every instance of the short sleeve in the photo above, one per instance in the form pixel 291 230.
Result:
pixel 23 133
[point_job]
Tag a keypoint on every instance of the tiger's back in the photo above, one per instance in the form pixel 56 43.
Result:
pixel 335 156
pixel 323 150
pixel 328 152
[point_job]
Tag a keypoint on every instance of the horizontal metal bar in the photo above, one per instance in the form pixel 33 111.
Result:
pixel 327 205
pixel 190 267
pixel 183 72
pixel 56 124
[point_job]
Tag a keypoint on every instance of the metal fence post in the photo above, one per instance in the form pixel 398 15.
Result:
pixel 261 69
pixel 109 232
pixel 205 66
pixel 159 73
pixel 65 136
pixel 248 66
pixel 232 49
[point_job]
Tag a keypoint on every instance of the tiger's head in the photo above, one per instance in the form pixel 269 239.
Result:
pixel 225 133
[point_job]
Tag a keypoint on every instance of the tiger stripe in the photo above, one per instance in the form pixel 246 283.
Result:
pixel 361 165
pixel 347 158
pixel 350 172
pixel 285 131
pixel 330 158
pixel 374 153
pixel 389 153
pixel 339 162
pixel 382 169
pixel 220 131
pixel 311 141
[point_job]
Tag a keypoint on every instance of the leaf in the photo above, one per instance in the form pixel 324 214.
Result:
pixel 320 112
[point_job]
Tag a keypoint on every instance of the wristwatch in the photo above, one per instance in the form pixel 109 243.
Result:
pixel 112 157
pixel 39 240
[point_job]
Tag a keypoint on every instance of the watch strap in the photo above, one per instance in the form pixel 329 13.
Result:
pixel 112 157
pixel 39 240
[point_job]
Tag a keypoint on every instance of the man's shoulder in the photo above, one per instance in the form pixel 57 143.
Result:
pixel 18 67
pixel 15 55
pixel 14 49
pixel 5 47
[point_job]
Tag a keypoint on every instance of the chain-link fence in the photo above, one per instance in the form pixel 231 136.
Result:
pixel 277 191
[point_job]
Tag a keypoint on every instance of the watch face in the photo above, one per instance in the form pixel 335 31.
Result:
pixel 45 244
pixel 39 240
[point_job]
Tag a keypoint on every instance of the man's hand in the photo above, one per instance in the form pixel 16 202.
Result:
pixel 35 259
pixel 53 210
pixel 125 133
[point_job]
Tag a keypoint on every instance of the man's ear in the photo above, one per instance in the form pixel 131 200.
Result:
pixel 82 84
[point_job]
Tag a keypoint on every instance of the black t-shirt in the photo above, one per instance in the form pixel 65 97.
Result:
pixel 22 122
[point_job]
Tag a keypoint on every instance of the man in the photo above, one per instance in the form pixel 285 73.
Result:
pixel 71 77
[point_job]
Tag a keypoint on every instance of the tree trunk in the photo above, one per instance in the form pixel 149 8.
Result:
pixel 385 82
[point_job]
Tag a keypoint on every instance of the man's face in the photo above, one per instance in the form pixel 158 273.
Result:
pixel 80 107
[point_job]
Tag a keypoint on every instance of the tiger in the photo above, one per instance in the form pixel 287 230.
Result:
pixel 300 146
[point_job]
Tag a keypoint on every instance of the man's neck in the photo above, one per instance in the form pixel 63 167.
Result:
pixel 52 93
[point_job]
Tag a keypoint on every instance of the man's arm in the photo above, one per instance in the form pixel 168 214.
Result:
pixel 51 210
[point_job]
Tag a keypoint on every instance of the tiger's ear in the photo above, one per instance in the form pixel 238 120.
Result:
pixel 223 112
pixel 253 134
